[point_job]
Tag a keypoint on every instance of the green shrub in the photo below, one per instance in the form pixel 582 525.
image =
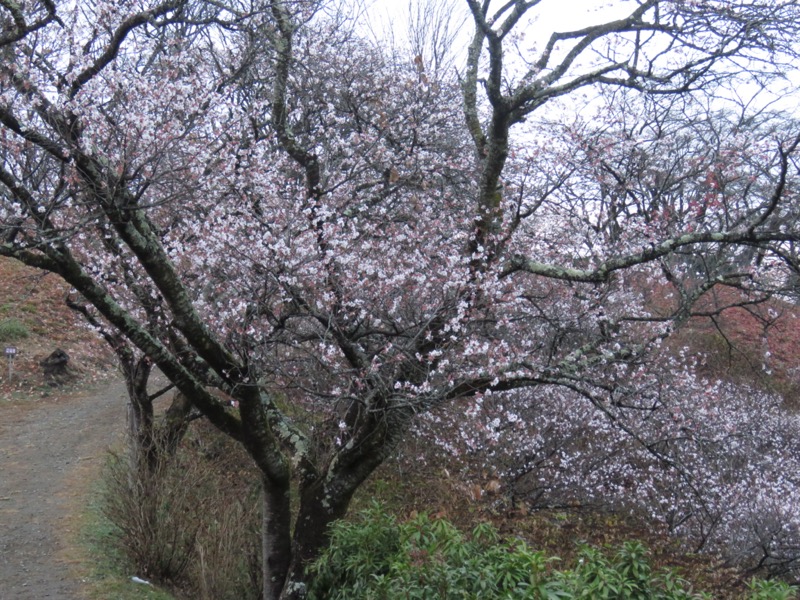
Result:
pixel 12 330
pixel 358 553
pixel 377 558
pixel 771 590
pixel 625 576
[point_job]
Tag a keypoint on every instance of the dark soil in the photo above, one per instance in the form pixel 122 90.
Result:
pixel 50 450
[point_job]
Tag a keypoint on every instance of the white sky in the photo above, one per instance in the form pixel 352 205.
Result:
pixel 556 15
pixel 551 15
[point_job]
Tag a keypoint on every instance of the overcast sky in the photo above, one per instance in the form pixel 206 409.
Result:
pixel 549 16
pixel 552 15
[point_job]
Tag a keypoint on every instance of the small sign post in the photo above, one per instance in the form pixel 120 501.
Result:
pixel 11 353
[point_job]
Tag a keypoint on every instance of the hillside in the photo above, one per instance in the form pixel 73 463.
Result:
pixel 758 344
pixel 35 319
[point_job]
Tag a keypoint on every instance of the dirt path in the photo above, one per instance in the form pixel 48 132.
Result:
pixel 49 451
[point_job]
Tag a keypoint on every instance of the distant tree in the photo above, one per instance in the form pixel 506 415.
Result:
pixel 262 202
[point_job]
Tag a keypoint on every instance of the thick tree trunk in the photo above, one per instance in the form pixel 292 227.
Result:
pixel 320 505
pixel 275 537
pixel 325 497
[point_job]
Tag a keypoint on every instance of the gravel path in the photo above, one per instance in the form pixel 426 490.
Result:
pixel 49 451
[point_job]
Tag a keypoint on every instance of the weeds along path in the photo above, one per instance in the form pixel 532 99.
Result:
pixel 50 451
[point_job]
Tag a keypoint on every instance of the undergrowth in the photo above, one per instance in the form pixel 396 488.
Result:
pixel 379 558
pixel 107 571
pixel 196 531
pixel 191 525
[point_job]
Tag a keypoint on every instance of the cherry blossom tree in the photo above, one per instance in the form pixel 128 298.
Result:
pixel 712 462
pixel 261 202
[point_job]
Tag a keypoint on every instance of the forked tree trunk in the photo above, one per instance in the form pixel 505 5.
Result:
pixel 325 497
pixel 323 500
pixel 152 442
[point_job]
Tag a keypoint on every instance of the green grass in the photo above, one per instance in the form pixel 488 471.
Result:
pixel 12 330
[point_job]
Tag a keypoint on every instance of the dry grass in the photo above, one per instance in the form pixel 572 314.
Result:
pixel 193 525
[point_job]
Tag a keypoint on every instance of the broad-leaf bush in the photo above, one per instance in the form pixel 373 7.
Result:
pixel 378 557
pixel 761 589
